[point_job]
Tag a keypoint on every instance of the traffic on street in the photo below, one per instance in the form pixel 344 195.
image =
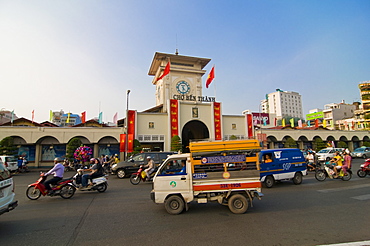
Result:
pixel 312 213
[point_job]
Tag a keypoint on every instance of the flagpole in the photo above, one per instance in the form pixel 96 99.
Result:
pixel 214 88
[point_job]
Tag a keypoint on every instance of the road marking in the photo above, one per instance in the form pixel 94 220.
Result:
pixel 344 188
pixel 362 198
pixel 362 243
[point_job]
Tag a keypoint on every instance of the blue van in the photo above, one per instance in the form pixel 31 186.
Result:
pixel 281 164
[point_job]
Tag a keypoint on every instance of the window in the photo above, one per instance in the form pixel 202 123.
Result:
pixel 151 125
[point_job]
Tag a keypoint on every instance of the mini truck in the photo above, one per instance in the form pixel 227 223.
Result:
pixel 226 172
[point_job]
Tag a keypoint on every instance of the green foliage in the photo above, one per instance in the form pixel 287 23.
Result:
pixel 176 143
pixel 7 146
pixel 290 143
pixel 72 145
pixel 367 116
pixel 137 147
pixel 233 137
pixel 342 144
pixel 366 143
pixel 318 144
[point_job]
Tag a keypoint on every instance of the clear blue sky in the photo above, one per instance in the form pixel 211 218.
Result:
pixel 76 55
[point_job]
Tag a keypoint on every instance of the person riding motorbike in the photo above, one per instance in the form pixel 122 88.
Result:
pixel 337 161
pixel 311 160
pixel 57 171
pixel 96 171
pixel 347 162
pixel 151 167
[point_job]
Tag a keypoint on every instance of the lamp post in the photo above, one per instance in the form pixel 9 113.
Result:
pixel 126 123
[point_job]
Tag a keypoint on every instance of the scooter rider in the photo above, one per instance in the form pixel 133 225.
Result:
pixel 96 171
pixel 337 163
pixel 57 171
pixel 150 166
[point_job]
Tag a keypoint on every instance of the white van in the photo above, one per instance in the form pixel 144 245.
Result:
pixel 10 162
pixel 7 202
pixel 328 153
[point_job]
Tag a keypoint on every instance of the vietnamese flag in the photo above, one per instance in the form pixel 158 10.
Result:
pixel 165 72
pixel 210 77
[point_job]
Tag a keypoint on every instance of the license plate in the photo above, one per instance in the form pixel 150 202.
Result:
pixel 1 194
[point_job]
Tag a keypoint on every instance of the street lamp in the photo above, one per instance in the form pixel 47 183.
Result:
pixel 126 123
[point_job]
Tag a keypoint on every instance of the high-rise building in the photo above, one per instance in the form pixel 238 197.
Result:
pixel 283 104
pixel 365 95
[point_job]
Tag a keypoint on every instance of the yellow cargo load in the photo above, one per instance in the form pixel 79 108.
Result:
pixel 232 145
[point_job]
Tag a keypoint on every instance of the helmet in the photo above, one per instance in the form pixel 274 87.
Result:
pixel 148 157
pixel 92 160
pixel 57 159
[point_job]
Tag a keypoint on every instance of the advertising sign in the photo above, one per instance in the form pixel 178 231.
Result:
pixel 261 118
pixel 317 115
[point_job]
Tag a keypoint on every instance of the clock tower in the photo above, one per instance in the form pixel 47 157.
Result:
pixel 184 80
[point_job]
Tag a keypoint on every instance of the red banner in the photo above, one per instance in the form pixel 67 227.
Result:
pixel 174 117
pixel 122 139
pixel 130 143
pixel 131 115
pixel 249 125
pixel 217 119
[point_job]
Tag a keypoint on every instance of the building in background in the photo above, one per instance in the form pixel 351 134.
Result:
pixel 65 119
pixel 7 116
pixel 283 104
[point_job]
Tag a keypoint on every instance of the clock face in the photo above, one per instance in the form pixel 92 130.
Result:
pixel 183 87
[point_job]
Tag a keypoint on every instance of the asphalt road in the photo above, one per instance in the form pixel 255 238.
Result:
pixel 312 213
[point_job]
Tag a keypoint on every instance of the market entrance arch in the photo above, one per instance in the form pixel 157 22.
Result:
pixel 193 130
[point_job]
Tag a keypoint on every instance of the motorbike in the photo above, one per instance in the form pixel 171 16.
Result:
pixel 63 188
pixel 140 175
pixel 100 183
pixel 364 169
pixel 327 171
pixel 23 168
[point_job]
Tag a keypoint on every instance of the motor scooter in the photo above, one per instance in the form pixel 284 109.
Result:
pixel 63 188
pixel 140 175
pixel 100 183
pixel 328 171
pixel 364 169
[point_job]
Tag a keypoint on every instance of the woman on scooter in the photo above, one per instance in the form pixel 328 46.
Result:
pixel 96 171
pixel 337 161
pixel 347 162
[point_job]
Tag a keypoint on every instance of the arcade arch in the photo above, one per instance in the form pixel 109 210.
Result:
pixel 193 130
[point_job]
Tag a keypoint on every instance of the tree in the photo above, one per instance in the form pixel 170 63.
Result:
pixel 290 143
pixel 342 144
pixel 233 137
pixel 72 145
pixel 7 146
pixel 319 144
pixel 176 143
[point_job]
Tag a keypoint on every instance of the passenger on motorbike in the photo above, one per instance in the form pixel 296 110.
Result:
pixel 150 166
pixel 96 171
pixel 347 162
pixel 57 171
pixel 337 161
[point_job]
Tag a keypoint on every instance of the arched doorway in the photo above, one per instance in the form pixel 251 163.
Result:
pixel 193 130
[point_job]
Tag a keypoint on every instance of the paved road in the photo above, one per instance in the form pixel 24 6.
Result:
pixel 313 213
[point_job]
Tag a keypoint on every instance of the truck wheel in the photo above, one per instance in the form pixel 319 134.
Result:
pixel 269 181
pixel 121 173
pixel 174 205
pixel 297 179
pixel 238 204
